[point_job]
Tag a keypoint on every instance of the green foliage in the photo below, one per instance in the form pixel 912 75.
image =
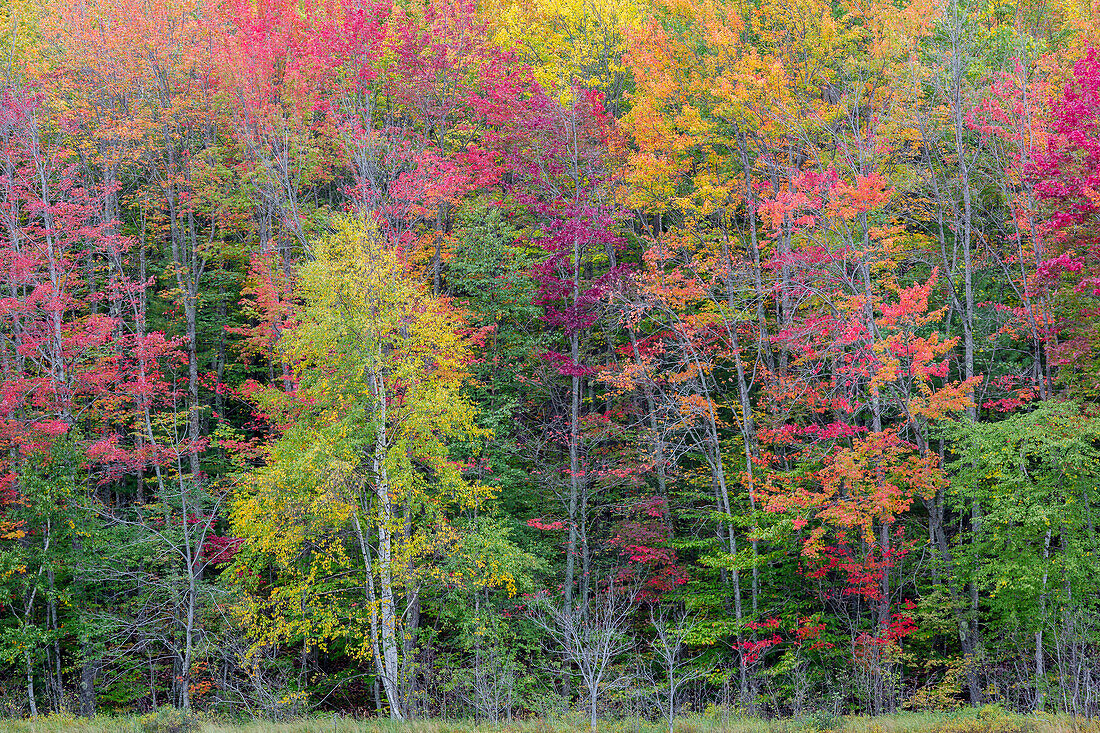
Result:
pixel 1035 476
pixel 988 719
pixel 168 720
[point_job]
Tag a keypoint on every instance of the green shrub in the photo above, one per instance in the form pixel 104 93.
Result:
pixel 989 719
pixel 168 720
pixel 821 721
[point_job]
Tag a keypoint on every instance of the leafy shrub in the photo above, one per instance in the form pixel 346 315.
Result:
pixel 168 720
pixel 990 719
pixel 820 721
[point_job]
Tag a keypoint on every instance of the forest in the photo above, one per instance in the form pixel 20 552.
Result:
pixel 500 360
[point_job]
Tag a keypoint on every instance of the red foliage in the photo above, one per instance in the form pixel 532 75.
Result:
pixel 217 550
pixel 641 539
pixel 1066 177
pixel 76 352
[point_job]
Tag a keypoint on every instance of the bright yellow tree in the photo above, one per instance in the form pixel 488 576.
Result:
pixel 571 43
pixel 356 491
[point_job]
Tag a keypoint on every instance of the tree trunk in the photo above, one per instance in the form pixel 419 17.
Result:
pixel 368 566
pixel 87 681
pixel 657 442
pixel 390 663
pixel 1040 657
pixel 30 683
pixel 574 438
pixel 748 429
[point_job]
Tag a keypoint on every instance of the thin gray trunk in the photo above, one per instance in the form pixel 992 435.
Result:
pixel 657 445
pixel 364 549
pixel 87 682
pixel 748 430
pixel 390 662
pixel 1040 657
pixel 574 440
pixel 30 683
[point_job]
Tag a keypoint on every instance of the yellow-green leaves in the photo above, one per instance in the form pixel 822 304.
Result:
pixel 572 42
pixel 363 456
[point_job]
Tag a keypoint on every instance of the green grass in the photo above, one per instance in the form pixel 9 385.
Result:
pixel 984 720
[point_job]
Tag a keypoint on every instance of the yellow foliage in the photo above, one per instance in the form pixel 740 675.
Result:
pixel 374 355
pixel 570 42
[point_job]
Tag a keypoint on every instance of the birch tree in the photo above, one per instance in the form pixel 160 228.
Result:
pixel 379 366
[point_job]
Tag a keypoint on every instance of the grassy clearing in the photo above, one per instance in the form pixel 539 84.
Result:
pixel 985 720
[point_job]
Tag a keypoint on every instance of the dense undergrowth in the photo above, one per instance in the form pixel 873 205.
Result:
pixel 990 719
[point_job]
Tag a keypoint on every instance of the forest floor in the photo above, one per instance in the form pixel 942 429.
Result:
pixel 984 720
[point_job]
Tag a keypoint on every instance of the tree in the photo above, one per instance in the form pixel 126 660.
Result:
pixel 1035 476
pixel 379 369
pixel 1065 174
pixel 673 633
pixel 561 172
pixel 573 44
pixel 591 637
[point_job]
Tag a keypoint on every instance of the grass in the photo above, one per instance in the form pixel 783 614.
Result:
pixel 984 720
